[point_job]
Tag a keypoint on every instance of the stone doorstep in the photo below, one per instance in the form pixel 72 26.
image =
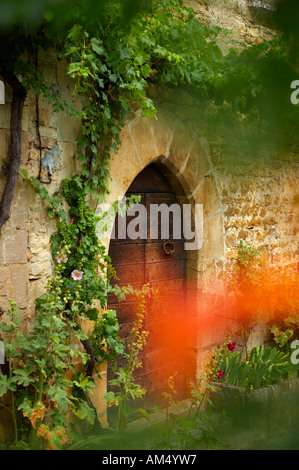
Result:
pixel 233 394
pixel 230 436
pixel 155 418
pixel 224 429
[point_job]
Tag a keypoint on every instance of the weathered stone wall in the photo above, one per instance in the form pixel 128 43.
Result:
pixel 24 242
pixel 244 198
pixel 249 193
pixel 241 18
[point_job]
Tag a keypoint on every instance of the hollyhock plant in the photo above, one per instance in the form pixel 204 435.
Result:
pixel 61 258
pixel 76 275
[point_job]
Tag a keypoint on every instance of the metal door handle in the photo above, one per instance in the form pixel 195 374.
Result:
pixel 169 248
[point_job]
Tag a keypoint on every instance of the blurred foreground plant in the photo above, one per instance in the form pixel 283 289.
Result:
pixel 126 387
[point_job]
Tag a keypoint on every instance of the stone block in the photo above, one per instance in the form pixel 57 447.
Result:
pixel 213 237
pixel 64 158
pixel 39 243
pixel 4 139
pixel 19 284
pixel 4 304
pixel 196 167
pixel 48 132
pixel 5 232
pixel 16 247
pixel 143 138
pixel 5 116
pixel 25 119
pixel 19 212
pixel 232 211
pixel 24 148
pixel 36 288
pixel 40 268
pixel 206 193
pixel 124 164
pixel 162 129
pixel 68 128
pixel 181 144
pixel 34 154
pixel 4 280
pixel 44 117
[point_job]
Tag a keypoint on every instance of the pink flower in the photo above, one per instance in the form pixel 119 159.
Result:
pixel 220 374
pixel 231 346
pixel 76 275
pixel 61 258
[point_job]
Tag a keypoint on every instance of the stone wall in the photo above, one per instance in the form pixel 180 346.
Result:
pixel 244 198
pixel 249 194
pixel 24 243
pixel 241 18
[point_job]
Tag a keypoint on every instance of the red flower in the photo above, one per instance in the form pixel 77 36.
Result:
pixel 220 374
pixel 231 346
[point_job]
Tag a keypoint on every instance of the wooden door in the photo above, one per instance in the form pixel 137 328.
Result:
pixel 141 261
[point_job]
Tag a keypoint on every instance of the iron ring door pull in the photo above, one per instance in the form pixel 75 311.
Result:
pixel 169 248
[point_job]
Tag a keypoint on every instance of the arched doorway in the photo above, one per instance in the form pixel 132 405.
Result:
pixel 162 263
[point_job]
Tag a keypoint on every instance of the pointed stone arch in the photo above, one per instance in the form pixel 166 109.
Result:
pixel 183 157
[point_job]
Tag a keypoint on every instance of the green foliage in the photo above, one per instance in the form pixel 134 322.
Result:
pixel 265 366
pixel 58 13
pixel 249 255
pixel 187 425
pixel 286 332
pixel 112 61
pixel 39 367
pixel 104 338
pixel 126 387
pixel 213 366
pixel 179 426
pixel 197 427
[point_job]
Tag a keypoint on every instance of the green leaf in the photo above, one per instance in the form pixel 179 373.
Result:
pixel 4 384
pixel 144 413
pixel 75 32
pixel 74 67
pixel 158 409
pixel 26 407
pixel 23 376
pixel 85 412
pixel 97 46
pixel 146 70
pixel 92 314
pixel 84 383
pixel 59 395
pixel 110 398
